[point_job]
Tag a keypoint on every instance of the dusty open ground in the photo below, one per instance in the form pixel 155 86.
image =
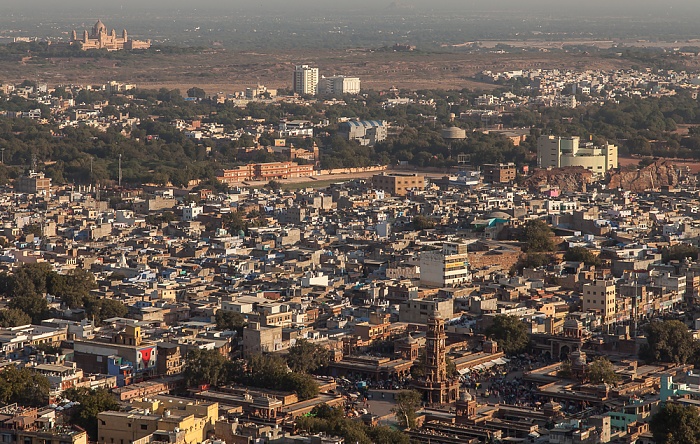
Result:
pixel 229 71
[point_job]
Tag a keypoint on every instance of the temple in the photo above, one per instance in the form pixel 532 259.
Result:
pixel 100 39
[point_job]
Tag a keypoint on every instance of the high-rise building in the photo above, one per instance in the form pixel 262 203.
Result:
pixel 446 268
pixel 339 85
pixel 600 297
pixel 559 152
pixel 305 80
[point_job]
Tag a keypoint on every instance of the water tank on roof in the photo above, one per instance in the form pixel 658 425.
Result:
pixel 454 133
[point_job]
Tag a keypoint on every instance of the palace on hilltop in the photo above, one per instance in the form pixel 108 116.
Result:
pixel 100 39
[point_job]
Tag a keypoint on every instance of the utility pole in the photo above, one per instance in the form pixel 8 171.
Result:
pixel 3 155
pixel 120 171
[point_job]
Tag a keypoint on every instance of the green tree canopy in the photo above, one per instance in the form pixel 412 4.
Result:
pixel 206 367
pixel 23 386
pixel 582 254
pixel 407 404
pixel 13 317
pixel 510 333
pixel 91 403
pixel 679 252
pixel 676 424
pixel 537 236
pixel 230 320
pixel 307 357
pixel 601 370
pixel 668 341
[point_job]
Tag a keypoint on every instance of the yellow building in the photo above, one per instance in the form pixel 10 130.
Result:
pixel 162 414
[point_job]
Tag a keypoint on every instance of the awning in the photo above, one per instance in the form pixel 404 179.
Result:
pixel 478 367
pixel 500 361
pixel 488 364
pixel 463 371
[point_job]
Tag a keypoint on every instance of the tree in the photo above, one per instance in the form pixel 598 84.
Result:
pixel 422 223
pixel 101 309
pixel 33 305
pixel 12 317
pixel 307 357
pixel 407 404
pixel 205 367
pixel 676 424
pixel 90 404
pixel 565 370
pixel 510 333
pixel 601 370
pixel 230 320
pixel 197 93
pixel 273 185
pixel 23 386
pixel 679 252
pixel 537 236
pixel 582 254
pixel 668 341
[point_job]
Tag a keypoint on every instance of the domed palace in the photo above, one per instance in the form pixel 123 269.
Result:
pixel 100 39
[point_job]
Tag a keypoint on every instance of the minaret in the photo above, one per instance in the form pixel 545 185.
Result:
pixel 125 36
pixel 74 36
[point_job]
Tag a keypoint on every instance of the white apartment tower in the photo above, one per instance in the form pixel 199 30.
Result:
pixel 339 85
pixel 448 267
pixel 305 80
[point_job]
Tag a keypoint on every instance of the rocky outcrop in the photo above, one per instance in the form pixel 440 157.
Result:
pixel 569 179
pixel 661 173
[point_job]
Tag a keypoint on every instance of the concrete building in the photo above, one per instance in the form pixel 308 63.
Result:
pixel 398 184
pixel 367 132
pixel 339 85
pixel 499 172
pixel 599 296
pixel 195 418
pixel 34 183
pixel 559 152
pixel 191 212
pixel 305 80
pixel 258 339
pixel 418 311
pixel 448 267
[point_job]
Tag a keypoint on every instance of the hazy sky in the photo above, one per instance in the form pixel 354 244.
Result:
pixel 566 7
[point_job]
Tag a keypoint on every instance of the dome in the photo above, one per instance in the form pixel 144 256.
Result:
pixel 411 339
pixel 465 396
pixel 573 324
pixel 99 27
pixel 498 215
pixel 453 133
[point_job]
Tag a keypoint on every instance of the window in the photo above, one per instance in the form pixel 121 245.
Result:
pixel 144 426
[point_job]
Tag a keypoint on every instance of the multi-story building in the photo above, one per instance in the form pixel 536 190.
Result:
pixel 339 85
pixel 448 267
pixel 305 80
pixel 499 172
pixel 418 311
pixel 366 132
pixel 264 171
pixel 600 296
pixel 559 152
pixel 34 183
pixel 258 339
pixel 164 414
pixel 398 184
